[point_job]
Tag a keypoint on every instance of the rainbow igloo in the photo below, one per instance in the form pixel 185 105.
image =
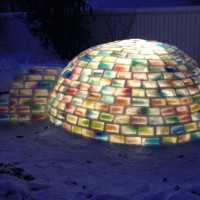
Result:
pixel 131 91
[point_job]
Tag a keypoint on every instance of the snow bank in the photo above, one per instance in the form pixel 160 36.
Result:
pixel 9 63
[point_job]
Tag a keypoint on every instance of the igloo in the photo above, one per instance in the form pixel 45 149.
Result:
pixel 130 91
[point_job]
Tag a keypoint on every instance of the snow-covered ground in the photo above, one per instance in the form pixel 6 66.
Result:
pixel 39 161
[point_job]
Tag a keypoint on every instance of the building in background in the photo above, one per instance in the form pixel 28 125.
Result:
pixel 175 22
pixel 119 4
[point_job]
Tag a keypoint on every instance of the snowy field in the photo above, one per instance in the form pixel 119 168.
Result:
pixel 39 161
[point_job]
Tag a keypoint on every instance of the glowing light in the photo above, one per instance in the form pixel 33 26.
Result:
pixel 130 91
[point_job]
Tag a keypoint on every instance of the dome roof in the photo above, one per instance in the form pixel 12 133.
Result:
pixel 131 91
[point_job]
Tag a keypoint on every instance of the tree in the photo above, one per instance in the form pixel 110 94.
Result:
pixel 59 24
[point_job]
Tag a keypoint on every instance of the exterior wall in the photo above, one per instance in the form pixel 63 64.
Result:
pixel 103 4
pixel 177 26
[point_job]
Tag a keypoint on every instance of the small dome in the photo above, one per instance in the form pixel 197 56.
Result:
pixel 131 91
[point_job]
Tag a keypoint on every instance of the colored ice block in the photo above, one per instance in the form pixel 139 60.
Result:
pixel 83 122
pixel 146 131
pixel 101 136
pixel 172 119
pixel 169 140
pixel 133 140
pixel 72 118
pixel 92 114
pixel 113 128
pixel 122 119
pixel 162 130
pixel 88 104
pixel 118 82
pixel 150 141
pixel 156 120
pixel 141 102
pixel 97 125
pixel 191 127
pixel 129 129
pixel 106 117
pixel 4 117
pixel 178 129
pixel 117 139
